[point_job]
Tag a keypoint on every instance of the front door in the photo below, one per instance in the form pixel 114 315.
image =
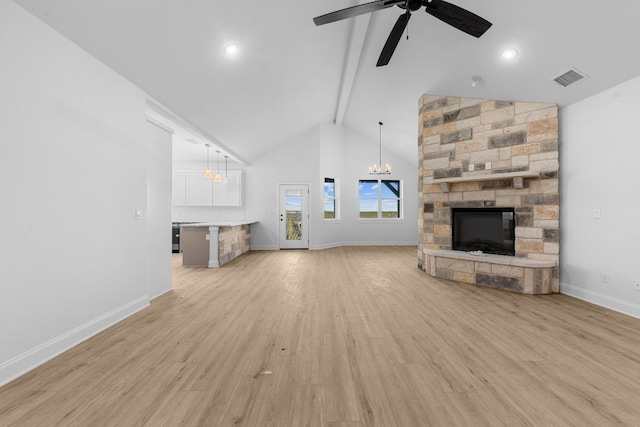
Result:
pixel 294 216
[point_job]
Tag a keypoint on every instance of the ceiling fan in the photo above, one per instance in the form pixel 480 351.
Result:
pixel 453 15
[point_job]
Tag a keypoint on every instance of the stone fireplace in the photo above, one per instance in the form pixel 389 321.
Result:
pixel 486 154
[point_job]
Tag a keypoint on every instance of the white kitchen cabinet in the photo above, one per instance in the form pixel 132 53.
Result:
pixel 196 190
pixel 234 189
pixel 179 189
pixel 190 189
pixel 230 193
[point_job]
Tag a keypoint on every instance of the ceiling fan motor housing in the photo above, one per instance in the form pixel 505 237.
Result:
pixel 412 5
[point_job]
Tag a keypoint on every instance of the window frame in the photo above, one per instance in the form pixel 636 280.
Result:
pixel 335 199
pixel 381 199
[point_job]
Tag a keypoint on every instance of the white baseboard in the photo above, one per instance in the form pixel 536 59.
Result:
pixel 606 301
pixel 368 243
pixel 264 248
pixel 338 245
pixel 166 291
pixel 25 362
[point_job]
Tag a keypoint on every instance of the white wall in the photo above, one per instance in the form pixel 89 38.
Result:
pixel 600 150
pixel 325 151
pixel 158 213
pixel 73 170
pixel 335 152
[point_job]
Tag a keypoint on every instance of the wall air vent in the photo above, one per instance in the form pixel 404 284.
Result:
pixel 570 77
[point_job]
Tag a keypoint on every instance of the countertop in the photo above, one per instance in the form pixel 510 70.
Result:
pixel 218 224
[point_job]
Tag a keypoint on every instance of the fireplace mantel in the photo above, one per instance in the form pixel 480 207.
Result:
pixel 516 176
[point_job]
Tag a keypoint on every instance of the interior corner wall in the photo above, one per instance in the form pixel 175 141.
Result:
pixel 359 154
pixel 328 151
pixel 158 212
pixel 74 171
pixel 599 155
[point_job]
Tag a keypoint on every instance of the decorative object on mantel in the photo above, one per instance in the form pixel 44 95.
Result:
pixel 226 169
pixel 218 177
pixel 207 173
pixel 377 169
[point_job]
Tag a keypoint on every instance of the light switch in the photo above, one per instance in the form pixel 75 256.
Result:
pixel 487 165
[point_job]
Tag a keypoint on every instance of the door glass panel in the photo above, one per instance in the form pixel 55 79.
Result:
pixel 294 214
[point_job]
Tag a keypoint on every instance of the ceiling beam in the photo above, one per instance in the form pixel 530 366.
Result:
pixel 170 120
pixel 352 59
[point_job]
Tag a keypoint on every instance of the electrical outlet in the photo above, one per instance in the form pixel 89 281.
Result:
pixel 472 167
pixel 604 277
pixel 487 165
pixel 596 214
pixel 636 285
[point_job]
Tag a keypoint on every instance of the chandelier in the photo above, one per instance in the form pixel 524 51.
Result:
pixel 377 169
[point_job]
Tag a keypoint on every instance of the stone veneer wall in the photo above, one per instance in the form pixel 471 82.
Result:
pixel 515 137
pixel 233 242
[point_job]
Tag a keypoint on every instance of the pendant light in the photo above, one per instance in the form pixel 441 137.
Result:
pixel 218 177
pixel 226 169
pixel 377 169
pixel 207 173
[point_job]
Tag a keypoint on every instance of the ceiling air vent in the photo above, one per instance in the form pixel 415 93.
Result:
pixel 569 77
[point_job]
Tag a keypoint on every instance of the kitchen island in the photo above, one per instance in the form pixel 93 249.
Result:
pixel 212 244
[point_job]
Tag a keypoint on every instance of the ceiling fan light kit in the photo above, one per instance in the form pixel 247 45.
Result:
pixel 449 13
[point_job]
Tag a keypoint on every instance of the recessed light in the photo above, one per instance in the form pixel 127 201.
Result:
pixel 510 53
pixel 231 49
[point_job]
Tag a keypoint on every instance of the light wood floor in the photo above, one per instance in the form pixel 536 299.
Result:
pixel 341 337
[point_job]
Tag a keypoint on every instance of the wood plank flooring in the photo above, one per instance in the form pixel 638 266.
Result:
pixel 344 337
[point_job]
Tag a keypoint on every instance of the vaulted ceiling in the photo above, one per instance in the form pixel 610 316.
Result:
pixel 291 75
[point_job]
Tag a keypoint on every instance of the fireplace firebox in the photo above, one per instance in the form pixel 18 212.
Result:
pixel 490 230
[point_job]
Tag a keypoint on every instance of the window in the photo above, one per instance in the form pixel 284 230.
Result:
pixel 380 198
pixel 331 205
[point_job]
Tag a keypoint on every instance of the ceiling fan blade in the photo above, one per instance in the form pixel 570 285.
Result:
pixel 393 39
pixel 457 17
pixel 350 12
